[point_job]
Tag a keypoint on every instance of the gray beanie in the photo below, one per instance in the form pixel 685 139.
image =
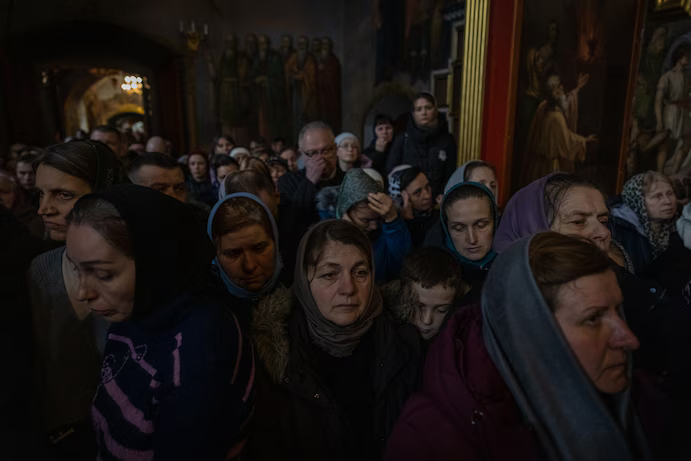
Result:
pixel 356 186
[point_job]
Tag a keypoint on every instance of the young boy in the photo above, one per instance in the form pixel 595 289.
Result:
pixel 430 287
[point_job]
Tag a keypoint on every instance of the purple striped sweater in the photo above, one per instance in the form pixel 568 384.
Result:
pixel 178 385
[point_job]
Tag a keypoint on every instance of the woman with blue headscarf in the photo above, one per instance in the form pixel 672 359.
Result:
pixel 247 257
pixel 469 220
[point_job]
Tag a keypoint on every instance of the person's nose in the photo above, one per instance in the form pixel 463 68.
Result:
pixel 45 207
pixel 84 291
pixel 622 336
pixel 600 232
pixel 426 316
pixel 347 286
pixel 249 263
pixel 472 236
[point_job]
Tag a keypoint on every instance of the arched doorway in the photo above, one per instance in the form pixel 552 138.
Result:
pixel 48 71
pixel 105 97
pixel 393 100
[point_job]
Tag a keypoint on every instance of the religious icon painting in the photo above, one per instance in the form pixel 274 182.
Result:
pixel 660 130
pixel 574 88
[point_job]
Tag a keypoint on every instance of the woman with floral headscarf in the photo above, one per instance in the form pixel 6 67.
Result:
pixel 645 222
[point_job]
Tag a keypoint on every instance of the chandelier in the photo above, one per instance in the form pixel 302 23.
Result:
pixel 133 84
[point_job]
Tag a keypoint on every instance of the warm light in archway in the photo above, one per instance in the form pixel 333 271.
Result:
pixel 133 84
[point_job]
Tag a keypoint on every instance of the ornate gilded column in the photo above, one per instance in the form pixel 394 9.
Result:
pixel 473 80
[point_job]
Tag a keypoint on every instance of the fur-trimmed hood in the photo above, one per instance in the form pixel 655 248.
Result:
pixel 269 328
pixel 327 199
pixel 399 301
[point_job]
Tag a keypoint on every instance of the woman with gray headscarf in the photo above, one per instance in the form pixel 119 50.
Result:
pixel 335 369
pixel 538 372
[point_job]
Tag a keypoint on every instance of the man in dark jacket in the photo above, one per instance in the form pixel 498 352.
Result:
pixel 299 190
pixel 426 144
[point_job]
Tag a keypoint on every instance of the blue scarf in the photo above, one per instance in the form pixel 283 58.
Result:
pixel 489 257
pixel 235 290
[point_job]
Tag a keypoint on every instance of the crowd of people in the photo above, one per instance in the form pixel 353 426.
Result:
pixel 325 301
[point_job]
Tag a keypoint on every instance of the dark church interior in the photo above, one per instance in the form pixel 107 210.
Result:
pixel 345 230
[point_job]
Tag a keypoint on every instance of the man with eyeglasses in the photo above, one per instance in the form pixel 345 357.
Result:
pixel 299 189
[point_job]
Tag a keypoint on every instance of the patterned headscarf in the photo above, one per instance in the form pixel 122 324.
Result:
pixel 634 197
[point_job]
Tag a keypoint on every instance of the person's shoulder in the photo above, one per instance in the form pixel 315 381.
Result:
pixel 46 264
pixel 390 331
pixel 291 180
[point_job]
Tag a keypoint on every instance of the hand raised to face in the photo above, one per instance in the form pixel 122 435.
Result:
pixel 383 206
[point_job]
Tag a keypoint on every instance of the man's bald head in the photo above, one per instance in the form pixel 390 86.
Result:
pixel 313 128
pixel 156 144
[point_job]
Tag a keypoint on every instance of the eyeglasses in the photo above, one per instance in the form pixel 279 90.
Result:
pixel 325 152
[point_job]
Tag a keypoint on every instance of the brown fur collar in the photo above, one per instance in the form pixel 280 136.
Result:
pixel 270 331
pixel 399 301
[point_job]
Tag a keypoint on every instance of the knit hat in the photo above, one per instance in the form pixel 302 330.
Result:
pixel 239 150
pixel 343 136
pixel 356 186
pixel 375 175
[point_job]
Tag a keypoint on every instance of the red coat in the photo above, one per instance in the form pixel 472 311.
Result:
pixel 464 411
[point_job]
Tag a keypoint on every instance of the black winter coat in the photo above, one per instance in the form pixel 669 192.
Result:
pixel 297 210
pixel 636 245
pixel 378 158
pixel 434 152
pixel 672 269
pixel 419 227
pixel 296 415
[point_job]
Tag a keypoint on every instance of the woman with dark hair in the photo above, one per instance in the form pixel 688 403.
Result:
pixel 177 378
pixel 426 144
pixel 223 144
pixel 223 165
pixel 410 189
pixel 68 337
pixel 199 183
pixel 248 261
pixel 290 156
pixel 541 371
pixel 335 368
pixel 380 147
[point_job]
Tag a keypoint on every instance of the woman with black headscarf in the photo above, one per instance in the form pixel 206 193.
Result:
pixel 177 378
pixel 541 371
pixel 68 338
pixel 335 368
